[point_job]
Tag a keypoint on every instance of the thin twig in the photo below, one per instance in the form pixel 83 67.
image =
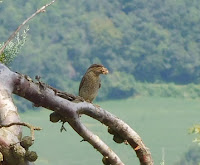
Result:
pixel 31 127
pixel 42 9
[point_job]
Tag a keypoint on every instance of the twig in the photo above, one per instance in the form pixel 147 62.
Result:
pixel 42 9
pixel 31 127
pixel 95 141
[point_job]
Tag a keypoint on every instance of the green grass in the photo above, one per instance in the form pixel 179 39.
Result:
pixel 167 90
pixel 161 122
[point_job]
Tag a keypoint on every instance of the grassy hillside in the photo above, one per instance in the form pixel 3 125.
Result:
pixel 161 122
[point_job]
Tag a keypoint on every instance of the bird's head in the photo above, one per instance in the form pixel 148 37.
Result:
pixel 98 69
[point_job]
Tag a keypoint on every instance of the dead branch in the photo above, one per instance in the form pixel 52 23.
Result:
pixel 31 127
pixel 95 141
pixel 42 9
pixel 10 137
pixel 71 111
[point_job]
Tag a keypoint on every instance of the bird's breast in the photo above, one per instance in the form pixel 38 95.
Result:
pixel 89 89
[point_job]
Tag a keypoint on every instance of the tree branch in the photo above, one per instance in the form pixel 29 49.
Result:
pixel 31 127
pixel 42 9
pixel 123 129
pixel 12 151
pixel 95 141
pixel 43 95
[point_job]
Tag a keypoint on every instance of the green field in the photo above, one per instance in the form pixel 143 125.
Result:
pixel 161 122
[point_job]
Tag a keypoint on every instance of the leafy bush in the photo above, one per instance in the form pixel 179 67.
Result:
pixel 167 90
pixel 191 157
pixel 117 85
pixel 13 48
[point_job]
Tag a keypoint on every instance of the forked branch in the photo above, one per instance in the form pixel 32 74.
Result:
pixel 44 96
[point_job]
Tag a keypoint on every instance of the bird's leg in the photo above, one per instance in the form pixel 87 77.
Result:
pixel 63 127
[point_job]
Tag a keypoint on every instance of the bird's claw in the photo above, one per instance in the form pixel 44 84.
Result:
pixel 63 127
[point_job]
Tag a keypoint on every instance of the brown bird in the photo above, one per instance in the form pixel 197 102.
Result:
pixel 91 82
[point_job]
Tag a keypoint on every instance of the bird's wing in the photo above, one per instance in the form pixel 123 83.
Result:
pixel 100 84
pixel 81 84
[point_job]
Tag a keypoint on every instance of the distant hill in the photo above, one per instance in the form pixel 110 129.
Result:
pixel 139 40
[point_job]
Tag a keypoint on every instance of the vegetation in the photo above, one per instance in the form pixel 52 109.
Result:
pixel 138 41
pixel 191 157
pixel 164 123
pixel 144 44
pixel 142 41
pixel 195 130
pixel 13 48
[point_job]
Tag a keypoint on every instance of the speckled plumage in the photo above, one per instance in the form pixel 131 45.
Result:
pixel 91 82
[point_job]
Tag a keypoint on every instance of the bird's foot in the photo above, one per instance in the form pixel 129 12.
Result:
pixel 63 127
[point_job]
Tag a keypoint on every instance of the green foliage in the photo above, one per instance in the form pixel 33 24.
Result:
pixel 154 41
pixel 13 48
pixel 162 163
pixel 117 85
pixel 168 90
pixel 195 130
pixel 191 157
pixel 138 41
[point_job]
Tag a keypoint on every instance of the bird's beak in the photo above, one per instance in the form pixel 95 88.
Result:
pixel 105 70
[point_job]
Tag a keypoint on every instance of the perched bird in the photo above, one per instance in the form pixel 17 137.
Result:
pixel 91 82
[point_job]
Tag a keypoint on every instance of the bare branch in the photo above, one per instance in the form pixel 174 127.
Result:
pixel 95 141
pixel 43 95
pixel 123 129
pixel 31 127
pixel 13 152
pixel 42 9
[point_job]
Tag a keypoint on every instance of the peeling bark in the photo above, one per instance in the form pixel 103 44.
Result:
pixel 12 154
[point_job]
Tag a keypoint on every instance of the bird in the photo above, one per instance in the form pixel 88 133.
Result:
pixel 91 82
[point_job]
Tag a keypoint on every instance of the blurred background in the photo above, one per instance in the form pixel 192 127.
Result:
pixel 151 48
